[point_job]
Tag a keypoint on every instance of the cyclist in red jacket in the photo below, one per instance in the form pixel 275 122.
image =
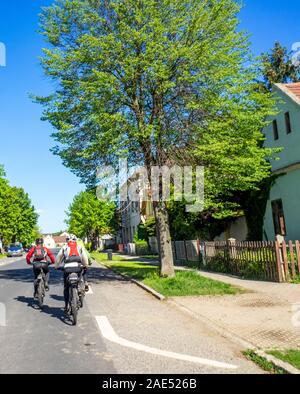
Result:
pixel 40 254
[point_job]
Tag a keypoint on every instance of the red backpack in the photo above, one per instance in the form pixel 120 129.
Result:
pixel 73 249
pixel 39 254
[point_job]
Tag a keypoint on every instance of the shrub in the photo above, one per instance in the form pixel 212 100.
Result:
pixel 142 247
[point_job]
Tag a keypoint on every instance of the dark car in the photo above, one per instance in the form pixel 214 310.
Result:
pixel 15 250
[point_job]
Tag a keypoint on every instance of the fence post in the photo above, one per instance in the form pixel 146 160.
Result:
pixel 185 250
pixel 291 247
pixel 298 255
pixel 278 262
pixel 285 261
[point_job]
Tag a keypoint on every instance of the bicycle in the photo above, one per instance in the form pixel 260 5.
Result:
pixel 39 285
pixel 76 289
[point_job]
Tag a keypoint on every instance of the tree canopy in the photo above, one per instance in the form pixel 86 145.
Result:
pixel 277 67
pixel 89 217
pixel 168 81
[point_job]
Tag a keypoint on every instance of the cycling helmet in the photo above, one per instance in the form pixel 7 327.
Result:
pixel 72 237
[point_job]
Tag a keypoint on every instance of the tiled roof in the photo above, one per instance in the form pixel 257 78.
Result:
pixel 294 88
pixel 60 240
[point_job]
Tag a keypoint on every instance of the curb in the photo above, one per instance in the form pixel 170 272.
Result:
pixel 149 290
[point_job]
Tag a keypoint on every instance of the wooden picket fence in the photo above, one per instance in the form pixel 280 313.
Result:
pixel 269 261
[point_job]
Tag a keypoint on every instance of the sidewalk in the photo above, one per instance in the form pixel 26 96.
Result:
pixel 8 260
pixel 267 316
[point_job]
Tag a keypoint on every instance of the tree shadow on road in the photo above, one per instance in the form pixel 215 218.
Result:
pixel 96 275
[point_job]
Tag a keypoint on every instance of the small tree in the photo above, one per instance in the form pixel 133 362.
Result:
pixel 89 217
pixel 18 217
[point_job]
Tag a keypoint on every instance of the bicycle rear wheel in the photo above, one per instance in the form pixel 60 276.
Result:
pixel 74 304
pixel 40 295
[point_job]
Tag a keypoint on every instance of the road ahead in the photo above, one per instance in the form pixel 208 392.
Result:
pixel 143 335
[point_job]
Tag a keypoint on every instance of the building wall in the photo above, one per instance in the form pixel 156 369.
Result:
pixel 289 142
pixel 237 230
pixel 287 188
pixel 49 242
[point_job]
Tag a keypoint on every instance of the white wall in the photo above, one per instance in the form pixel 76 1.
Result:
pixel 238 230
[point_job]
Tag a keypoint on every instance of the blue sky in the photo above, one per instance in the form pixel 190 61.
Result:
pixel 25 140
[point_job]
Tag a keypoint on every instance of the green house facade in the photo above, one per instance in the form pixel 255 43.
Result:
pixel 283 208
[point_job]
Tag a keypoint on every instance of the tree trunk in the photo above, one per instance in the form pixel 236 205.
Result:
pixel 164 239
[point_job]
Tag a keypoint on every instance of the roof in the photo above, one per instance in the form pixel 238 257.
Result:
pixel 60 240
pixel 290 89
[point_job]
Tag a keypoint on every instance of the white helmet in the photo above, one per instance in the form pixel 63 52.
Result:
pixel 71 237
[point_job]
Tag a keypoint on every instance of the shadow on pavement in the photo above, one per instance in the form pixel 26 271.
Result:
pixel 56 312
pixel 95 275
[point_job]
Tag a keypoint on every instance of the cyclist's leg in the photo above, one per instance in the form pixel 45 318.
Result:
pixel 36 273
pixel 47 278
pixel 84 276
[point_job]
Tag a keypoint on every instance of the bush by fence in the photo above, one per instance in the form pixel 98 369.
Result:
pixel 270 261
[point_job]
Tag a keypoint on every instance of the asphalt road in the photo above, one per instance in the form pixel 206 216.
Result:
pixel 34 341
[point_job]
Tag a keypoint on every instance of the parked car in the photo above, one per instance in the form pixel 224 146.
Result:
pixel 15 250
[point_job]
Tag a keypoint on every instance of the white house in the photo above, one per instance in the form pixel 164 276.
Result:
pixel 283 214
pixel 49 242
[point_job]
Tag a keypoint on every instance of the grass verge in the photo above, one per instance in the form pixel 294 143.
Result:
pixel 2 256
pixel 186 283
pixel 263 363
pixel 291 356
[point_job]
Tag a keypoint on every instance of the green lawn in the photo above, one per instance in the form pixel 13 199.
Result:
pixel 186 283
pixel 103 257
pixel 291 356
pixel 263 363
pixel 2 256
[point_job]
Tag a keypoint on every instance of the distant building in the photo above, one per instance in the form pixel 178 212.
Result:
pixel 60 241
pixel 49 242
pixel 133 213
pixel 52 242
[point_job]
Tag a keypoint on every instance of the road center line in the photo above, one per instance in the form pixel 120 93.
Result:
pixel 108 333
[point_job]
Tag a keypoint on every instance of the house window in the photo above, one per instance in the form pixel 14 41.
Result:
pixel 288 123
pixel 275 130
pixel 278 217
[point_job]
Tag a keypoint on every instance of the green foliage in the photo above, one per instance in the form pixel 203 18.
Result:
pixel 291 356
pixel 277 67
pixel 18 217
pixel 142 247
pixel 146 230
pixel 263 363
pixel 90 217
pixel 156 81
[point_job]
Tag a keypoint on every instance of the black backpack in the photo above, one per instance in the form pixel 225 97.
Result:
pixel 39 254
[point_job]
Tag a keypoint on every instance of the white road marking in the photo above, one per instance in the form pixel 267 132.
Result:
pixel 90 290
pixel 109 334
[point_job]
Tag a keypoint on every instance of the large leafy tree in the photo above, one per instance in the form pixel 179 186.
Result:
pixel 156 81
pixel 90 217
pixel 278 67
pixel 18 217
